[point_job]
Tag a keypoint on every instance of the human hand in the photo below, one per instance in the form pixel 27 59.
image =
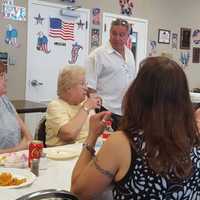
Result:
pixel 197 116
pixel 93 101
pixel 98 123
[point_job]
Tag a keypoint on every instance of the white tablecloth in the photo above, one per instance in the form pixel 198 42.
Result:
pixel 56 176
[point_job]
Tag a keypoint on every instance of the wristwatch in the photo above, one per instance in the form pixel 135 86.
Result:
pixel 86 109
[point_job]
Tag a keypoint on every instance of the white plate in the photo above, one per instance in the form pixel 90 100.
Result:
pixel 62 154
pixel 19 173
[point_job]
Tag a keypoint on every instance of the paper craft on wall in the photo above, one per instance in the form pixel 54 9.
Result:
pixel 96 16
pixel 11 36
pixel 13 12
pixel 80 24
pixel 42 43
pixel 174 40
pixel 61 29
pixel 75 53
pixel 39 19
pixel 126 7
pixel 95 34
pixel 196 36
pixel 153 46
pixel 184 58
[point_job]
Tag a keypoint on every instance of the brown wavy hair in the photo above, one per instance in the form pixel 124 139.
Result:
pixel 158 103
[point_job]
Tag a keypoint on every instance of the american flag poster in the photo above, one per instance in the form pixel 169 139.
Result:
pixel 61 29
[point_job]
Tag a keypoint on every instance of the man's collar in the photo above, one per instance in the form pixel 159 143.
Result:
pixel 109 48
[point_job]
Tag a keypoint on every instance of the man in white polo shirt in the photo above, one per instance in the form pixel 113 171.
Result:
pixel 110 70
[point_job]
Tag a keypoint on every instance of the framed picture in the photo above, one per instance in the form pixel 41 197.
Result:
pixel 196 55
pixel 164 36
pixel 185 37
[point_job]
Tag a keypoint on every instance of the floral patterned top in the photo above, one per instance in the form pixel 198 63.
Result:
pixel 143 183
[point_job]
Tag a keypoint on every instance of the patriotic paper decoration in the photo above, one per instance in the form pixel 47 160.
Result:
pixel 39 19
pixel 74 53
pixel 11 36
pixel 126 7
pixel 80 24
pixel 96 16
pixel 42 43
pixel 61 29
pixel 13 12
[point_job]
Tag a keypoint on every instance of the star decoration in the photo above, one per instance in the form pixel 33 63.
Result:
pixel 39 19
pixel 80 24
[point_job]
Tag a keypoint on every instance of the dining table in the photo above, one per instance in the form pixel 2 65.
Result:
pixel 57 174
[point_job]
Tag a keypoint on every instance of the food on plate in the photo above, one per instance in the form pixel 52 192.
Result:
pixel 2 160
pixel 7 179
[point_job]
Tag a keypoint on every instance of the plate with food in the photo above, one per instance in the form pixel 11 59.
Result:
pixel 15 178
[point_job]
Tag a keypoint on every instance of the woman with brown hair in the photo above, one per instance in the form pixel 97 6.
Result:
pixel 156 154
pixel 14 135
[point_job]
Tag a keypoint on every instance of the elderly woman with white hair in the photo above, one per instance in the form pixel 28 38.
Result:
pixel 67 116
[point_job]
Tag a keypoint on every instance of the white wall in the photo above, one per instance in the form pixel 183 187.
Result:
pixel 167 14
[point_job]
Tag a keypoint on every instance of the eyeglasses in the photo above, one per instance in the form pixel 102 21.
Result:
pixel 120 21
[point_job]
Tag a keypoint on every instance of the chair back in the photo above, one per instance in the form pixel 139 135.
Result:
pixel 50 194
pixel 40 133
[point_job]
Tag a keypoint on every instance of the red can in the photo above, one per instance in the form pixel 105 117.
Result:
pixel 35 151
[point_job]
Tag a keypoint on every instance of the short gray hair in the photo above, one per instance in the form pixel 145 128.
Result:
pixel 68 77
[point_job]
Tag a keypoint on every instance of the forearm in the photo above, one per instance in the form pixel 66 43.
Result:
pixel 84 159
pixel 71 129
pixel 21 146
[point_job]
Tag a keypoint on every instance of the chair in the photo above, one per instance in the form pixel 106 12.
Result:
pixel 50 194
pixel 40 133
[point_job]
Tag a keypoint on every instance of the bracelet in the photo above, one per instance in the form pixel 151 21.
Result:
pixel 89 148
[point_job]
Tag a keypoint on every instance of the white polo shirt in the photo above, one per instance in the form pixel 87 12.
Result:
pixel 110 75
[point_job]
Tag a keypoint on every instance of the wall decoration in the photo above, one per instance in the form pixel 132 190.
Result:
pixel 39 19
pixel 69 1
pixel 153 46
pixel 196 55
pixel 61 29
pixel 96 16
pixel 196 36
pixel 174 40
pixel 132 43
pixel 184 58
pixel 60 44
pixel 4 59
pixel 80 24
pixel 42 43
pixel 126 7
pixel 95 34
pixel 8 2
pixel 74 53
pixel 185 35
pixel 11 36
pixel 164 36
pixel 10 11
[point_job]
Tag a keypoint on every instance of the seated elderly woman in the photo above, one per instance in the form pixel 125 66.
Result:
pixel 14 135
pixel 159 155
pixel 67 116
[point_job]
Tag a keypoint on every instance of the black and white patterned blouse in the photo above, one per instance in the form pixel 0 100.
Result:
pixel 142 183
